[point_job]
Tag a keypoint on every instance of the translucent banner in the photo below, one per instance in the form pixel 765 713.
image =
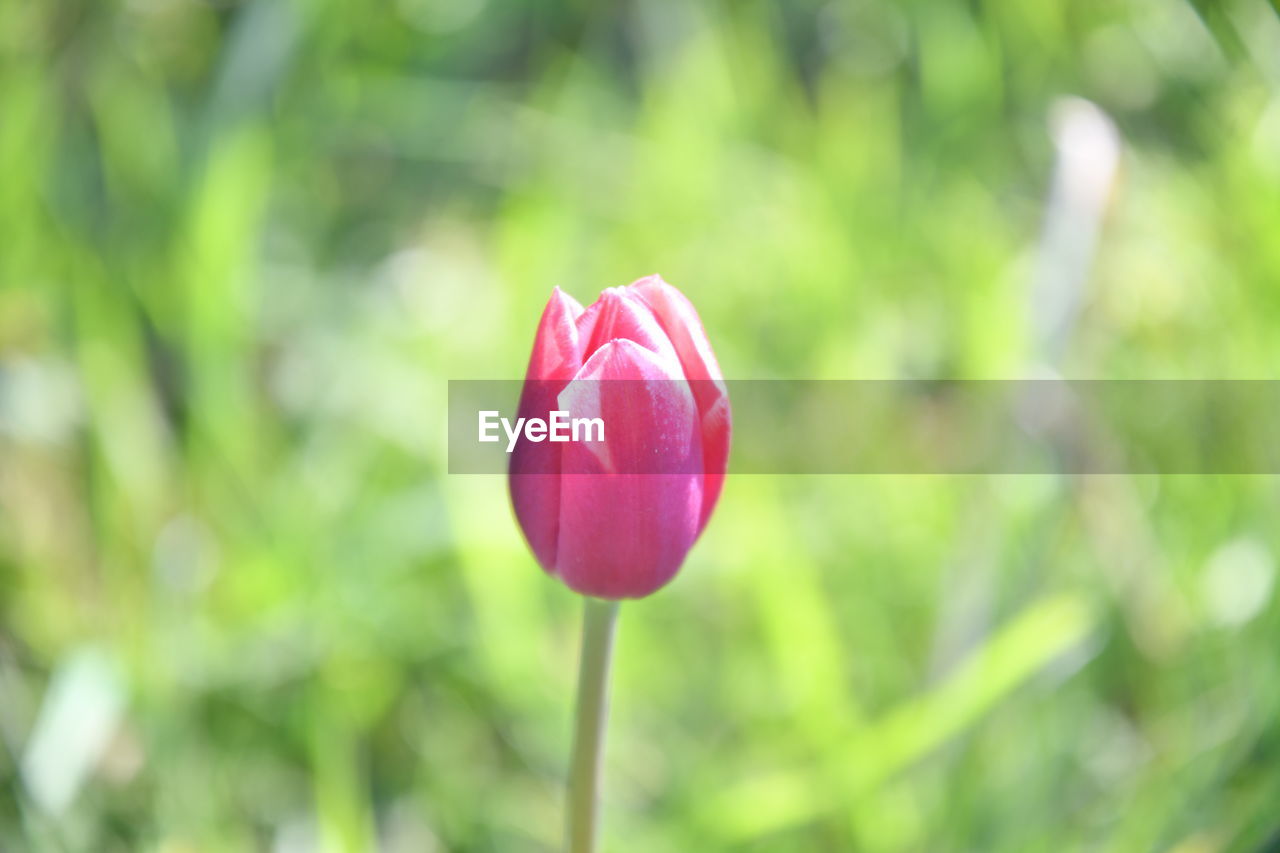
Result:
pixel 876 427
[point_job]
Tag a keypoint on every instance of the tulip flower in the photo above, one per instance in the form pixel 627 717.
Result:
pixel 615 518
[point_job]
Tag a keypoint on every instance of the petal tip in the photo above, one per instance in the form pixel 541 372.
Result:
pixel 565 301
pixel 653 280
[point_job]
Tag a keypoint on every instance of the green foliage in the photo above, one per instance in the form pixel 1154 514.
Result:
pixel 244 245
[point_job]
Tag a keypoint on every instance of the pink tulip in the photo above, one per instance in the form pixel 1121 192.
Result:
pixel 615 519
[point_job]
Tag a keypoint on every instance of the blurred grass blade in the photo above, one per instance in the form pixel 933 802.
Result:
pixel 78 717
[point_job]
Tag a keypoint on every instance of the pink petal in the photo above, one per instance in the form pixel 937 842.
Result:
pixel 716 429
pixel 557 347
pixel 624 535
pixel 534 468
pixel 619 314
pixel 679 319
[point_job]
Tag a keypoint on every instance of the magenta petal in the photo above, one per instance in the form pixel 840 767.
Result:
pixel 679 319
pixel 557 347
pixel 624 535
pixel 535 467
pixel 715 453
pixel 615 518
pixel 620 314
pixel 534 481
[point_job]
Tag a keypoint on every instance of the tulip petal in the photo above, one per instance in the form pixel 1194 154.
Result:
pixel 534 468
pixel 557 348
pixel 680 321
pixel 716 428
pixel 618 313
pixel 625 534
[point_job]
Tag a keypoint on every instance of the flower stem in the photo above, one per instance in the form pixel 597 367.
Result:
pixel 588 727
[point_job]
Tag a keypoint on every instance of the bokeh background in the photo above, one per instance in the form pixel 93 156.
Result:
pixel 243 245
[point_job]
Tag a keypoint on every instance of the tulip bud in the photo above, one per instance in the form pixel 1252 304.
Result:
pixel 615 518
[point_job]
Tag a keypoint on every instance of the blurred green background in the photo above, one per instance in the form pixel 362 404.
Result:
pixel 243 245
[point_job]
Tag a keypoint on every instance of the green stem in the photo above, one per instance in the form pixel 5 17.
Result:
pixel 588 727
